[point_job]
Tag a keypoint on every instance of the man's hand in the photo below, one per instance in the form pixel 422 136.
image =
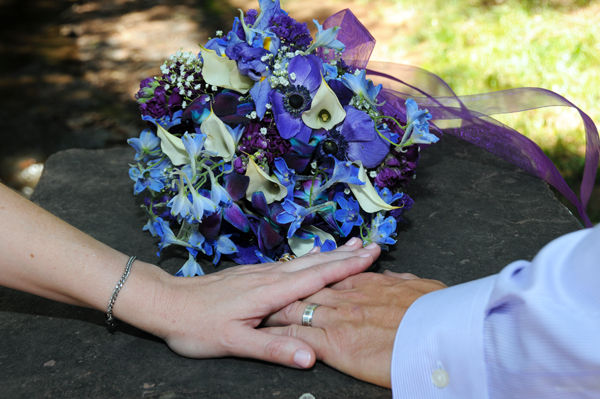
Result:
pixel 354 328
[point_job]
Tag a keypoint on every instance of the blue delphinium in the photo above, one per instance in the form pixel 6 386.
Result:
pixel 191 268
pixel 151 177
pixel 348 214
pixel 417 131
pixel 293 214
pixel 382 230
pixel 146 147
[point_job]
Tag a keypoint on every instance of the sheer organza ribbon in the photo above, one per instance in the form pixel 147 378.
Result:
pixel 469 117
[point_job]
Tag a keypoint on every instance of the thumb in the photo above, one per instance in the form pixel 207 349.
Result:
pixel 284 350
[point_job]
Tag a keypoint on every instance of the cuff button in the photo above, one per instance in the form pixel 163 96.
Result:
pixel 440 378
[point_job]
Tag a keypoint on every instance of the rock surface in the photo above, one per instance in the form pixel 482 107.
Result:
pixel 473 214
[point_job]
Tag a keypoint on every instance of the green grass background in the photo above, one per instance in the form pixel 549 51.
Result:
pixel 487 45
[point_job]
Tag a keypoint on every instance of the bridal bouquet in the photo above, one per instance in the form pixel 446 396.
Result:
pixel 267 144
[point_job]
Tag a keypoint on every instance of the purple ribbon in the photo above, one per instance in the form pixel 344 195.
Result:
pixel 470 116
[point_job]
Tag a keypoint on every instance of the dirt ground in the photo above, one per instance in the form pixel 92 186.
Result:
pixel 69 69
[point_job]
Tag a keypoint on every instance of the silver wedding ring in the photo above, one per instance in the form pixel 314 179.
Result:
pixel 308 314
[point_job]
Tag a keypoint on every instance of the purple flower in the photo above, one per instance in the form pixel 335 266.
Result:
pixel 292 101
pixel 398 168
pixel 405 204
pixel 239 166
pixel 390 177
pixel 248 60
pixel 225 105
pixel 356 140
pixel 295 34
pixel 263 136
pixel 156 107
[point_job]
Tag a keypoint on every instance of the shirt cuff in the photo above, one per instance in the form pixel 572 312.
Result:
pixel 438 351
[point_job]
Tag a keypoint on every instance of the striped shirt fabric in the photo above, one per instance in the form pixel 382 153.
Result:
pixel 530 331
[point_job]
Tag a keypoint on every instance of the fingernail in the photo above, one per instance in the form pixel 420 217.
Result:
pixel 302 358
pixel 372 245
pixel 367 255
pixel 351 241
pixel 315 249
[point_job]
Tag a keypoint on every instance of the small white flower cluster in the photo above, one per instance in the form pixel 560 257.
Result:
pixel 182 77
pixel 280 75
pixel 359 102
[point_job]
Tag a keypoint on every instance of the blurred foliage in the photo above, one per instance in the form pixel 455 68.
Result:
pixel 488 45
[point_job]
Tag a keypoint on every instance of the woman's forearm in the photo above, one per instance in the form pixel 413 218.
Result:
pixel 45 256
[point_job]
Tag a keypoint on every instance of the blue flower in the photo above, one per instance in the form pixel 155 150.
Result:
pixel 146 146
pixel 331 72
pixel 201 205
pixel 417 131
pixel 220 245
pixel 195 240
pixel 363 87
pixel 326 39
pixel 191 268
pixel 387 196
pixel 356 139
pixel 345 172
pixel 165 121
pixel 292 101
pixel 327 246
pixel 382 231
pixel 349 214
pixel 166 235
pixel 149 177
pixel 262 257
pixel 294 214
pixel 286 176
pixel 249 60
pixel 180 205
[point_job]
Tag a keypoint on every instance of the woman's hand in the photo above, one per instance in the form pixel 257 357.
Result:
pixel 355 328
pixel 217 315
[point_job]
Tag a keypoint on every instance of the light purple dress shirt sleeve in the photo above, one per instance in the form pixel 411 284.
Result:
pixel 531 331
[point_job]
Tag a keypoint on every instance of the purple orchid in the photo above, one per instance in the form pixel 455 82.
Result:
pixel 293 100
pixel 226 105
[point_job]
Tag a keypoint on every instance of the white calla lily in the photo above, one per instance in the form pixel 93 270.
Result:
pixel 325 110
pixel 218 138
pixel 260 181
pixel 301 246
pixel 220 71
pixel 368 199
pixel 172 146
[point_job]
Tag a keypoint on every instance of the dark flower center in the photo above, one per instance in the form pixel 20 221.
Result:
pixel 296 99
pixel 330 147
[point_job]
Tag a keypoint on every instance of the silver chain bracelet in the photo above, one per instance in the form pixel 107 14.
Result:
pixel 109 315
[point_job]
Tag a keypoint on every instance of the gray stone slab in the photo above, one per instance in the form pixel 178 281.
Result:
pixel 473 214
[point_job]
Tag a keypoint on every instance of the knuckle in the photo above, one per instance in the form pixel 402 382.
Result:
pixel 275 349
